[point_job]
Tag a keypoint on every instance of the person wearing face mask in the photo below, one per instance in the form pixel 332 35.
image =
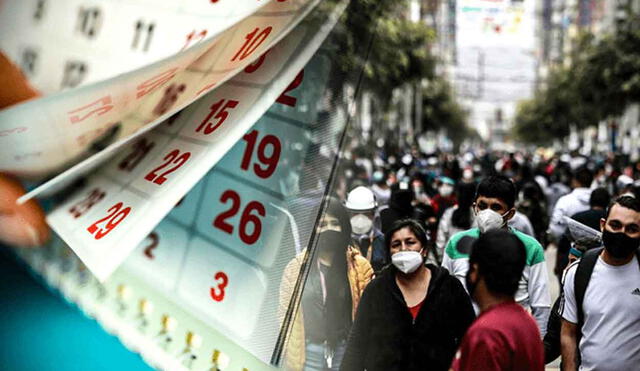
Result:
pixel 380 188
pixel 504 337
pixel 412 316
pixel 361 205
pixel 445 197
pixel 494 207
pixel 601 297
pixel 337 277
pixel 457 218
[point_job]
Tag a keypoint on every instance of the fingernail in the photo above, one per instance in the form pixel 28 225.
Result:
pixel 33 235
pixel 14 231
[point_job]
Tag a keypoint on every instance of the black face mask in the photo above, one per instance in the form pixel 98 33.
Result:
pixel 619 245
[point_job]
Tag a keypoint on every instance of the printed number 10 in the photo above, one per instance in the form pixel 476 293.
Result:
pixel 253 41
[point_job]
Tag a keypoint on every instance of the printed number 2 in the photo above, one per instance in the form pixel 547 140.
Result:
pixel 217 294
pixel 155 239
pixel 116 214
pixel 288 99
pixel 173 156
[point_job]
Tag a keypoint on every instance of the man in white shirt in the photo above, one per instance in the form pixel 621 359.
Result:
pixel 607 337
pixel 568 205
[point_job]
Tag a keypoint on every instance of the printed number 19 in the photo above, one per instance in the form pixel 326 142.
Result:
pixel 270 161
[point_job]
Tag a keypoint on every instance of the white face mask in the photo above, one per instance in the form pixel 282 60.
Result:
pixel 361 224
pixel 467 174
pixel 407 261
pixel 488 220
pixel 445 190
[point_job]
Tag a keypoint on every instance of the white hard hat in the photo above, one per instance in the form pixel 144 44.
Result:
pixel 624 181
pixel 360 199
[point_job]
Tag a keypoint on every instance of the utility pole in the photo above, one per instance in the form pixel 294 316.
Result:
pixel 481 75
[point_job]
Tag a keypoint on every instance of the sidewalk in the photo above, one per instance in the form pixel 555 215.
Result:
pixel 554 287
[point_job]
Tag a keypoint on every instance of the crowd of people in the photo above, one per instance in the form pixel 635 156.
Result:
pixel 437 262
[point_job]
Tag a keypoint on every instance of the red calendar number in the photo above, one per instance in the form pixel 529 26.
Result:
pixel 266 159
pixel 155 82
pixel 194 37
pixel 221 111
pixel 140 150
pixel 247 218
pixel 16 130
pixel 91 135
pixel 288 99
pixel 96 195
pixel 169 98
pixel 217 293
pixel 253 67
pixel 173 157
pixel 99 107
pixel 155 240
pixel 115 215
pixel 253 41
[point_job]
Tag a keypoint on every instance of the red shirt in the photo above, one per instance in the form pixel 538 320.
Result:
pixel 505 337
pixel 415 309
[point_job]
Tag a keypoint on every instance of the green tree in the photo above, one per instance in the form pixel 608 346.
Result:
pixel 441 110
pixel 394 50
pixel 603 77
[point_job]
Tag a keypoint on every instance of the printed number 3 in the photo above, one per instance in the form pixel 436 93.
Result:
pixel 217 294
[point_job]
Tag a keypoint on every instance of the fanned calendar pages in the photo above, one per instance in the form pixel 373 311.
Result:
pixel 186 148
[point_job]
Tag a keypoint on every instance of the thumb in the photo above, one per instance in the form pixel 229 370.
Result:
pixel 20 225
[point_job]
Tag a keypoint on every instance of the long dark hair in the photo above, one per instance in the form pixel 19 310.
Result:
pixel 461 217
pixel 339 302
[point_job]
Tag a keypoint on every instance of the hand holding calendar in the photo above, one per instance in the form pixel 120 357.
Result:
pixel 134 104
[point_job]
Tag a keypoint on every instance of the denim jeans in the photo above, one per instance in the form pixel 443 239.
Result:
pixel 316 360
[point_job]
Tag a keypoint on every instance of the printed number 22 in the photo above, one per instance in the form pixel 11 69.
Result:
pixel 173 156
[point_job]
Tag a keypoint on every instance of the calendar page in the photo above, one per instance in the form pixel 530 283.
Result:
pixel 123 201
pixel 179 249
pixel 112 109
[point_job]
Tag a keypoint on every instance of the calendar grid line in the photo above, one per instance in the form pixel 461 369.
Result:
pixel 258 187
pixel 288 120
